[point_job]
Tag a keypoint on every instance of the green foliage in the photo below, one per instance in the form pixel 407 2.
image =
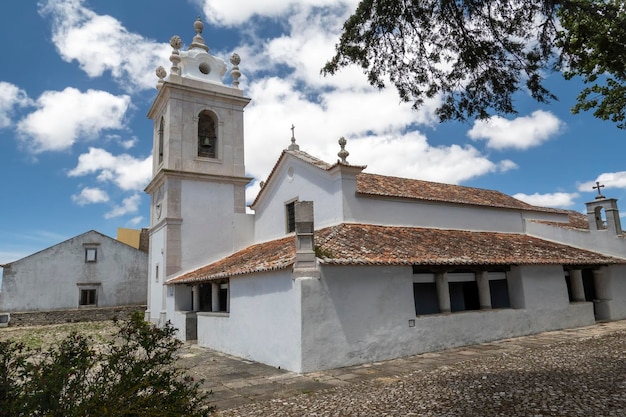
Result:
pixel 593 45
pixel 323 253
pixel 133 375
pixel 476 53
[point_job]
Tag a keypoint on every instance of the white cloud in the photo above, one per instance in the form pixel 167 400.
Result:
pixel 608 179
pixel 129 205
pixel 64 117
pixel 11 96
pixel 125 171
pixel 548 200
pixel 90 195
pixel 520 133
pixel 135 221
pixel 411 156
pixel 100 43
pixel 376 125
pixel 228 12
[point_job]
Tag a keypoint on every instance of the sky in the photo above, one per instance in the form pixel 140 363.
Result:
pixel 78 77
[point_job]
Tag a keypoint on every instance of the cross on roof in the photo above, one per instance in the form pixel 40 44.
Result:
pixel 598 187
pixel 293 146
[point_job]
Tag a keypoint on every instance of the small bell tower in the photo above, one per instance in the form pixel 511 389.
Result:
pixel 198 181
pixel 603 214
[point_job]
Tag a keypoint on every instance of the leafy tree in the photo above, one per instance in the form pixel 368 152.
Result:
pixel 134 375
pixel 477 53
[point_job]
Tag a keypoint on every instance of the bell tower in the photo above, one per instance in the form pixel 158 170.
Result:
pixel 198 174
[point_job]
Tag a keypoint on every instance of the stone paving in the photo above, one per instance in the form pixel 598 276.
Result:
pixel 560 373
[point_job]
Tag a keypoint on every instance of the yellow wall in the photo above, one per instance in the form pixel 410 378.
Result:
pixel 129 236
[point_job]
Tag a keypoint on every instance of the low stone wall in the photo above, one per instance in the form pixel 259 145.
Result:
pixel 36 318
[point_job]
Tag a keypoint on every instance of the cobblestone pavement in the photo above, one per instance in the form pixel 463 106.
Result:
pixel 576 372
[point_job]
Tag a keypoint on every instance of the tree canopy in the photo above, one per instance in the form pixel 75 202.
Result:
pixel 476 54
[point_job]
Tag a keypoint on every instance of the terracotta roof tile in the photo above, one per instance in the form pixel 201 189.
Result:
pixel 267 256
pixel 381 185
pixel 390 245
pixel 362 244
pixel 576 220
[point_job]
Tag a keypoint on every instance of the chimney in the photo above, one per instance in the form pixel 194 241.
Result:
pixel 306 261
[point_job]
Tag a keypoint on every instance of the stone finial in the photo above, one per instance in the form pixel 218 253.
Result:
pixel 161 73
pixel 175 43
pixel 343 154
pixel 293 146
pixel 235 73
pixel 198 40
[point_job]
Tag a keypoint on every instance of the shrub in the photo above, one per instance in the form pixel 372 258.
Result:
pixel 134 374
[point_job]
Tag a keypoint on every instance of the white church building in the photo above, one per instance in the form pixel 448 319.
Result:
pixel 337 266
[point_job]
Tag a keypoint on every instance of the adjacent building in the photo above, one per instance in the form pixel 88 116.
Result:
pixel 87 271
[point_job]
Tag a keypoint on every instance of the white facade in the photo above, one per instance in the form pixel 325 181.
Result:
pixel 89 270
pixel 457 266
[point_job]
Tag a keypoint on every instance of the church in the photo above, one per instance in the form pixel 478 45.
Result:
pixel 336 266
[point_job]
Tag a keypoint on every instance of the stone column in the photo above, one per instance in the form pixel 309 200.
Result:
pixel 576 283
pixel 443 291
pixel 484 292
pixel 602 303
pixel 196 297
pixel 215 297
pixel 228 296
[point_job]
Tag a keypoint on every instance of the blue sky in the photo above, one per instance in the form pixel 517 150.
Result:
pixel 77 78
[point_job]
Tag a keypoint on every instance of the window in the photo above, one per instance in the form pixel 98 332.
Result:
pixel 207 135
pixel 206 297
pixel 464 296
pixel 290 212
pixel 160 145
pixel 91 254
pixel 214 296
pixel 223 297
pixel 425 296
pixel 156 273
pixel 499 289
pixel 88 297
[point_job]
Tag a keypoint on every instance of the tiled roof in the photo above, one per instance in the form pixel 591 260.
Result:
pixel 576 220
pixel 363 244
pixel 390 245
pixel 381 185
pixel 267 256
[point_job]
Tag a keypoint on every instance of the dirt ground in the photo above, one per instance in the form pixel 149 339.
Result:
pixel 45 336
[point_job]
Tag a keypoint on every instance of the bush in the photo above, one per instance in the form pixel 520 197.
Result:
pixel 133 375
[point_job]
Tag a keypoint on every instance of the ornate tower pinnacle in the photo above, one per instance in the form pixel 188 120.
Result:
pixel 235 73
pixel 175 43
pixel 343 154
pixel 198 40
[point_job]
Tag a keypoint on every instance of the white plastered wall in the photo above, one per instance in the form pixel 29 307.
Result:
pixel 210 228
pixel 296 179
pixel 155 288
pixel 602 241
pixel 263 323
pixel 616 277
pixel 362 314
